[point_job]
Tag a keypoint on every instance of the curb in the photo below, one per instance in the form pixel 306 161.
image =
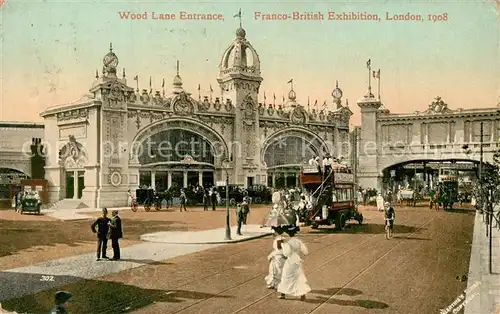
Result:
pixel 211 242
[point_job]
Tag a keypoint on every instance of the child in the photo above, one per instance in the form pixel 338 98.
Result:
pixel 276 260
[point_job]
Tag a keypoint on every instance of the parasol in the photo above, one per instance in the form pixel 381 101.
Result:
pixel 278 216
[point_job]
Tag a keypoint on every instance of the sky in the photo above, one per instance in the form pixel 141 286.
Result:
pixel 51 49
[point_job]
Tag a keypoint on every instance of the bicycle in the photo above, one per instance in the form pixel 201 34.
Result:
pixel 388 228
pixel 133 205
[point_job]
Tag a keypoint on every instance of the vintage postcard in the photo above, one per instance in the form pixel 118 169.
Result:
pixel 250 157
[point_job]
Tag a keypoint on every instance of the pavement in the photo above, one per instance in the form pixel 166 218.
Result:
pixel 483 289
pixel 76 214
pixel 23 281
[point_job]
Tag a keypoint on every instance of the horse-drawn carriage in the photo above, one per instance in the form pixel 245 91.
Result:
pixel 411 197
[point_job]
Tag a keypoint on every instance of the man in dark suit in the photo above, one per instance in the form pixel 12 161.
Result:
pixel 116 234
pixel 102 224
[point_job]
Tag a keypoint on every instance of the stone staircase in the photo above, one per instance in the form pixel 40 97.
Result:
pixel 68 204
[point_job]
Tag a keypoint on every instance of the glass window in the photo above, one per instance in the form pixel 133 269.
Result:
pixel 290 150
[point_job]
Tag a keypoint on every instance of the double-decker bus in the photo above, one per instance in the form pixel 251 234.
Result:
pixel 332 196
pixel 448 186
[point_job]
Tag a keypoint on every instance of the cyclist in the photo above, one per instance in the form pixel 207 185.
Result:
pixel 390 215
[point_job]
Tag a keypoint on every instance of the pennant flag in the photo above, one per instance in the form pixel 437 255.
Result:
pixel 316 103
pixel 283 98
pixel 136 78
pixel 163 84
pixel 211 90
pixel 378 73
pixel 374 74
pixel 199 87
pixel 264 96
pixel 274 95
pixel 238 15
pixel 291 80
pixel 368 63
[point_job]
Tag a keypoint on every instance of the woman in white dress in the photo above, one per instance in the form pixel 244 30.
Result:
pixel 293 280
pixel 276 260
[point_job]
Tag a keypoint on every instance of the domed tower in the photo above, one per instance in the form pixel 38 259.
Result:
pixel 239 79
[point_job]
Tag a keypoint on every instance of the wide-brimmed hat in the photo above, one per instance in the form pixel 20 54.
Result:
pixel 62 297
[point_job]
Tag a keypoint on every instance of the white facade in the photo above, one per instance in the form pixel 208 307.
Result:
pixel 114 135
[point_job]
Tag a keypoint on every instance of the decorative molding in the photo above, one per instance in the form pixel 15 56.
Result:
pixel 76 114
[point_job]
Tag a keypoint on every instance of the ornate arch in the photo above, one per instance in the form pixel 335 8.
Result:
pixel 317 144
pixel 204 131
pixel 73 155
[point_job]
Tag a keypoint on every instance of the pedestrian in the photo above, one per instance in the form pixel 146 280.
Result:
pixel 213 197
pixel 205 199
pixel 61 298
pixel 293 280
pixel 276 260
pixel 102 224
pixel 245 206
pixel 116 234
pixel 239 218
pixel 183 199
pixel 380 202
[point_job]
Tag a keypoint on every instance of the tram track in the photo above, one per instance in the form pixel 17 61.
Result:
pixel 137 302
pixel 327 262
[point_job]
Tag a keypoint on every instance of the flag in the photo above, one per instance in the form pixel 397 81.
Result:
pixel 199 87
pixel 316 103
pixel 283 98
pixel 324 104
pixel 378 73
pixel 211 90
pixel 274 95
pixel 374 74
pixel 289 81
pixel 136 78
pixel 238 15
pixel 368 63
pixel 163 84
pixel 264 96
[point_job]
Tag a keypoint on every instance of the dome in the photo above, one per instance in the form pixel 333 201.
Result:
pixel 240 57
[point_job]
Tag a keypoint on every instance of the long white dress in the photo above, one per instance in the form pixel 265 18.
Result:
pixel 276 263
pixel 380 203
pixel 293 280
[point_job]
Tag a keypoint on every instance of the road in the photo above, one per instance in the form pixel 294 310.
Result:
pixel 354 271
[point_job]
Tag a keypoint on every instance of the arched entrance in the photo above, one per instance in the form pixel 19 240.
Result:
pixel 285 152
pixel 178 153
pixel 73 158
pixel 423 174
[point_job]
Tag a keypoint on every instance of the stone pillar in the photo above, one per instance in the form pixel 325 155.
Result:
pixel 169 179
pixel 274 179
pixel 153 180
pixel 200 178
pixel 75 185
pixel 297 179
pixel 185 179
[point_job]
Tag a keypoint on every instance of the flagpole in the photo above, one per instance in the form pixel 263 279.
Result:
pixel 137 82
pixel 211 92
pixel 199 93
pixel 369 77
pixel 163 87
pixel 378 76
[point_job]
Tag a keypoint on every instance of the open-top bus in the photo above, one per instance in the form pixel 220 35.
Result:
pixel 332 196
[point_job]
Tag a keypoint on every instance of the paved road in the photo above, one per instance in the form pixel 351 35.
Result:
pixel 355 271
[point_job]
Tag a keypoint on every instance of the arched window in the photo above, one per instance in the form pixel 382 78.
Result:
pixel 173 145
pixel 289 150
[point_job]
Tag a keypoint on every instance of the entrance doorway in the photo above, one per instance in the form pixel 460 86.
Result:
pixel 250 181
pixel 75 183
pixel 70 184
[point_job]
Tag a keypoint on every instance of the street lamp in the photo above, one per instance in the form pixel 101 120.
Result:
pixel 225 164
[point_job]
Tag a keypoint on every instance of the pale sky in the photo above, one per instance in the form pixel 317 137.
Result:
pixel 51 50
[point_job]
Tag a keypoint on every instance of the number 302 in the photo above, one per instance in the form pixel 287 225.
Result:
pixel 47 278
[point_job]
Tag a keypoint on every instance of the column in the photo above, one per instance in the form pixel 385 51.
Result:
pixel 153 179
pixel 200 178
pixel 185 181
pixel 285 176
pixel 75 185
pixel 274 179
pixel 492 131
pixel 297 179
pixel 169 179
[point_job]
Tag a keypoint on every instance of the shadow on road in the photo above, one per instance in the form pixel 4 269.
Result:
pixel 144 261
pixel 367 304
pixel 461 211
pixel 89 296
pixel 367 229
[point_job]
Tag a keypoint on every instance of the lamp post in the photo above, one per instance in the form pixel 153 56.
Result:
pixel 225 165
